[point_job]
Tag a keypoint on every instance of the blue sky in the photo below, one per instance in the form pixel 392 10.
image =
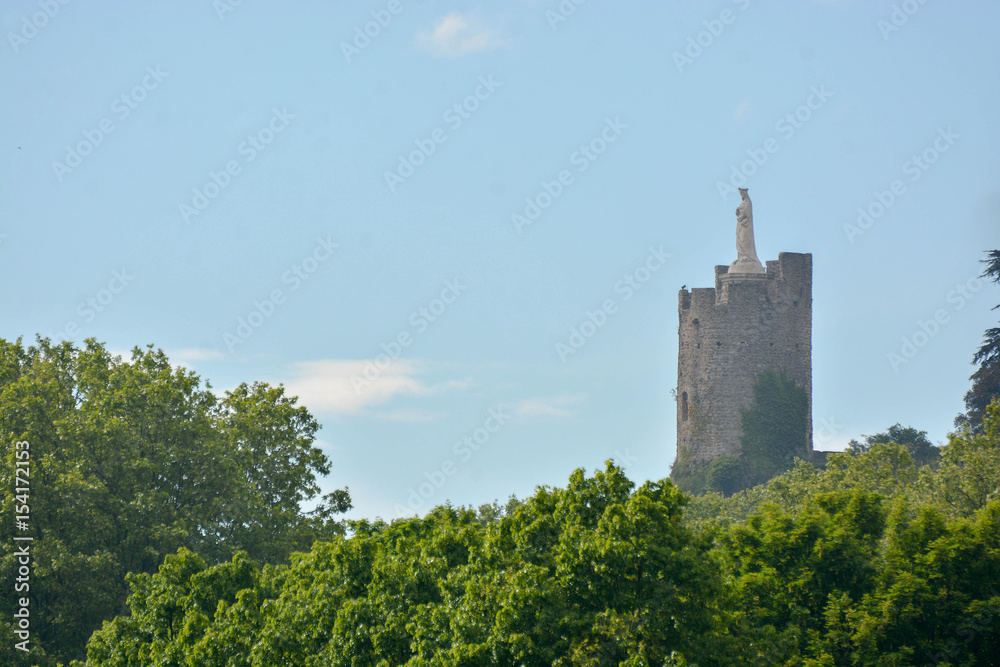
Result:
pixel 267 192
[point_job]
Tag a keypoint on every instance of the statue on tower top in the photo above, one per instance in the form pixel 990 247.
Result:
pixel 746 252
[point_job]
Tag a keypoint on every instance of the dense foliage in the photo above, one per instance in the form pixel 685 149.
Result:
pixel 870 561
pixel 597 573
pixel 916 443
pixel 986 379
pixel 130 461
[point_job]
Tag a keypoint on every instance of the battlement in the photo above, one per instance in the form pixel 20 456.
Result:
pixel 789 268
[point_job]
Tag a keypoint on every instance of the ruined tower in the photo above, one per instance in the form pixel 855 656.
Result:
pixel 753 320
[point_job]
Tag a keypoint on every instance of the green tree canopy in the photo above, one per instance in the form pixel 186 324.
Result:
pixel 851 565
pixel 598 573
pixel 131 460
pixel 916 442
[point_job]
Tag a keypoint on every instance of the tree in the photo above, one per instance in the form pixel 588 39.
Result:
pixel 968 476
pixel 790 568
pixel 130 461
pixel 726 475
pixel 849 565
pixel 597 573
pixel 916 442
pixel 848 578
pixel 268 440
pixel 936 600
pixel 189 613
pixel 986 380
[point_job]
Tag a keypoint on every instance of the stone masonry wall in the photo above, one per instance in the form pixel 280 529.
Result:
pixel 731 333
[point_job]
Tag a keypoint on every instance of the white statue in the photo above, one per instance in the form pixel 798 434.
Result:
pixel 746 253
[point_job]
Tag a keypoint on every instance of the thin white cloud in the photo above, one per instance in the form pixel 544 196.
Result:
pixel 189 356
pixel 196 354
pixel 457 34
pixel 354 386
pixel 467 383
pixel 341 386
pixel 547 406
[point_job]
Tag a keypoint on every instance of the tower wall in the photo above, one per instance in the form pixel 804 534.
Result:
pixel 730 334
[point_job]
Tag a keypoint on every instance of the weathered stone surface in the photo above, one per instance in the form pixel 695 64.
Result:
pixel 728 335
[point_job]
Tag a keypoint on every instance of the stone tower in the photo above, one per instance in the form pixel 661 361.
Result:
pixel 752 321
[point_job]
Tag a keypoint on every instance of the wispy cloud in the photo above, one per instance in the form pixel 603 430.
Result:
pixel 189 356
pixel 547 406
pixel 457 34
pixel 349 387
